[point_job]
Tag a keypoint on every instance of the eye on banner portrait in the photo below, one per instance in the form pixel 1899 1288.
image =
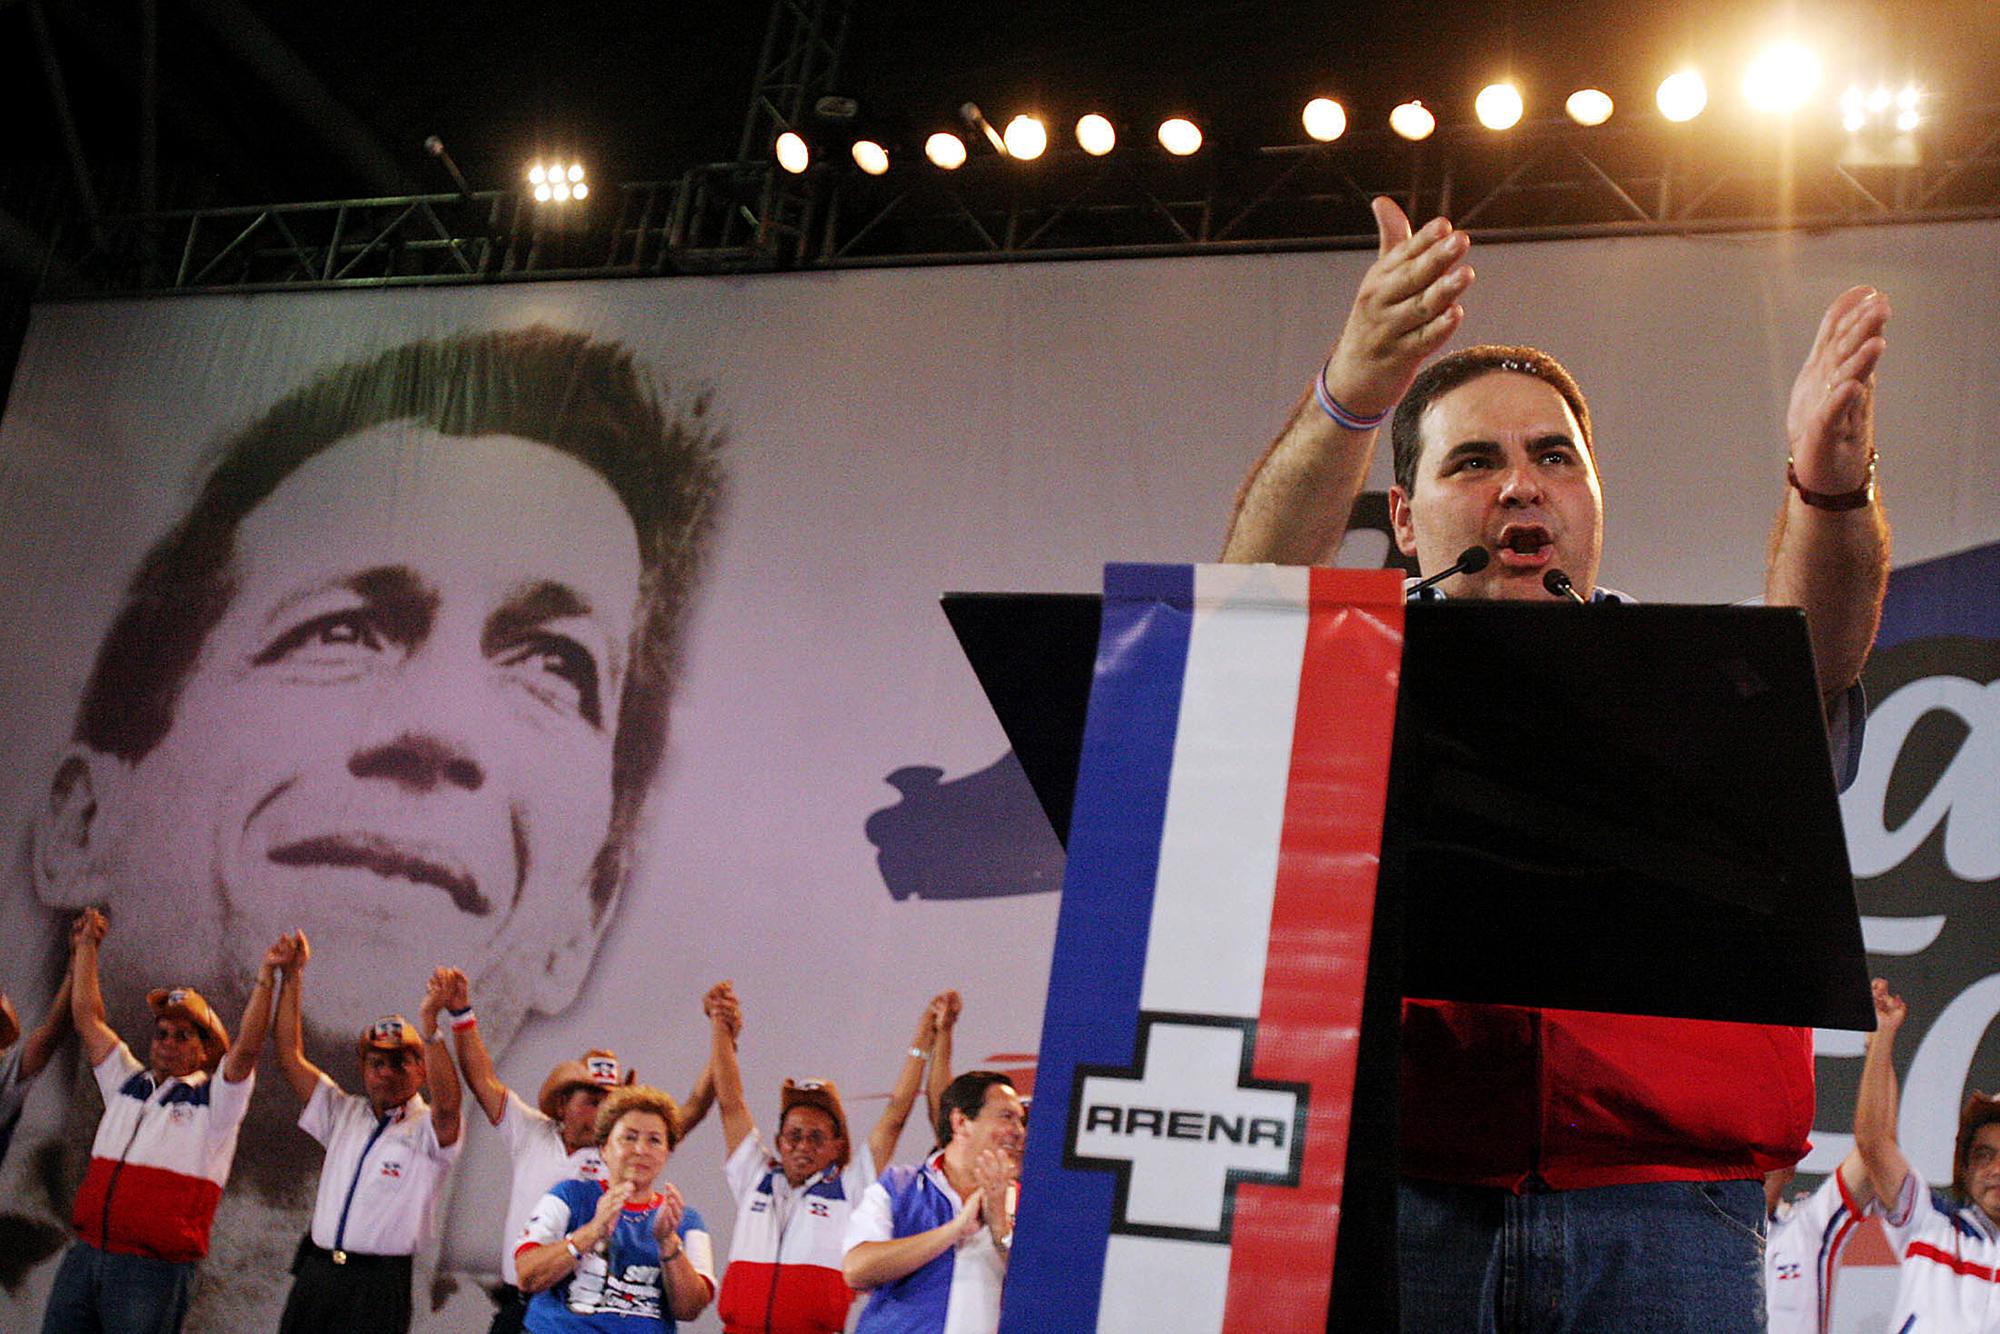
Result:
pixel 585 636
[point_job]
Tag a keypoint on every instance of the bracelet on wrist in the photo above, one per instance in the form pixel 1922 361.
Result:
pixel 1343 416
pixel 1859 498
pixel 463 1019
pixel 569 1244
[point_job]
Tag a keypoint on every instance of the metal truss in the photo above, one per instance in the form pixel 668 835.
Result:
pixel 1551 181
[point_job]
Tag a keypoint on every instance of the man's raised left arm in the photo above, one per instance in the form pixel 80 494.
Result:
pixel 1830 549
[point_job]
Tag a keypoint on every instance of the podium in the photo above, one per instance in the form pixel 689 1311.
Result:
pixel 1611 807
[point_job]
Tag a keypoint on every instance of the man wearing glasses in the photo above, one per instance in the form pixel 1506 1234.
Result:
pixel 784 1273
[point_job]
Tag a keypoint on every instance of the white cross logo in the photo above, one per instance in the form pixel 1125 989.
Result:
pixel 1185 1124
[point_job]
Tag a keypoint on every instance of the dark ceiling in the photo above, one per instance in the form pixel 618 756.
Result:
pixel 644 90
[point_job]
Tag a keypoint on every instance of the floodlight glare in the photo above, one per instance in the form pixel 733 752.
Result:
pixel 537 174
pixel 1095 135
pixel 1682 96
pixel 561 189
pixel 1781 79
pixel 871 157
pixel 945 150
pixel 1180 136
pixel 1588 106
pixel 1498 106
pixel 1854 121
pixel 1908 98
pixel 579 190
pixel 1908 120
pixel 793 155
pixel 1413 121
pixel 1026 138
pixel 1325 119
pixel 575 172
pixel 543 194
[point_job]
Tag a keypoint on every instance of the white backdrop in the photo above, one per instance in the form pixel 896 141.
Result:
pixel 898 433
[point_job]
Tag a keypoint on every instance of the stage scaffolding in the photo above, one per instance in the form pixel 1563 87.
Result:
pixel 1546 181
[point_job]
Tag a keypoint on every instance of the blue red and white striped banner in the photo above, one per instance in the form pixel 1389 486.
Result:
pixel 1185 1155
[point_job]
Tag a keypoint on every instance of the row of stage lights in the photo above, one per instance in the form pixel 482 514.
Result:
pixel 1780 82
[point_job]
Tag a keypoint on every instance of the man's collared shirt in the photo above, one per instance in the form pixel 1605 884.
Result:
pixel 1802 1251
pixel 959 1291
pixel 535 1146
pixel 784 1256
pixel 381 1173
pixel 1950 1258
pixel 161 1156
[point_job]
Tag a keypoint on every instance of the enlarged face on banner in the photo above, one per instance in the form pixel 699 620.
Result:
pixel 399 731
pixel 397 736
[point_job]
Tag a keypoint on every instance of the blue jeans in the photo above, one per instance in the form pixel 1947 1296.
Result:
pixel 1676 1257
pixel 97 1292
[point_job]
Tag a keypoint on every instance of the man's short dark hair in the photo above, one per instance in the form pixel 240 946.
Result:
pixel 967 1094
pixel 581 396
pixel 1449 372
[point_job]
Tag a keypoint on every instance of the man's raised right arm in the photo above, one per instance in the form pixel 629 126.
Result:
pixel 473 1059
pixel 289 1033
pixel 725 1021
pixel 86 999
pixel 1293 507
pixel 1875 1102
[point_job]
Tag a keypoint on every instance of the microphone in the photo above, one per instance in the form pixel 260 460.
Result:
pixel 1559 585
pixel 1470 561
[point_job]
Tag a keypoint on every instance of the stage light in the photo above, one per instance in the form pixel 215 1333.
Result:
pixel 1498 106
pixel 793 155
pixel 1907 99
pixel 1095 135
pixel 1781 79
pixel 1588 106
pixel 871 157
pixel 557 183
pixel 1325 119
pixel 580 190
pixel 1881 99
pixel 1908 120
pixel 1413 121
pixel 945 150
pixel 1026 138
pixel 1180 136
pixel 1682 96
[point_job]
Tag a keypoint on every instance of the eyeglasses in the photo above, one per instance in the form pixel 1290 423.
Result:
pixel 812 1139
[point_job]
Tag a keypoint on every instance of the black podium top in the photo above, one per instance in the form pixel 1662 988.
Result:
pixel 1610 807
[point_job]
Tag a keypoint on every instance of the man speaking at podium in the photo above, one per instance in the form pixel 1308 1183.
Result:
pixel 1564 1169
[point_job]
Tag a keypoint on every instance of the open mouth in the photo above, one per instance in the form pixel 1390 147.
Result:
pixel 391 859
pixel 1525 544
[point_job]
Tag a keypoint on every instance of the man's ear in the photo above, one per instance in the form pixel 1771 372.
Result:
pixel 68 838
pixel 555 983
pixel 1399 521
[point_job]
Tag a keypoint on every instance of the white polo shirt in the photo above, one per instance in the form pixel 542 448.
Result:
pixel 1950 1262
pixel 381 1174
pixel 535 1145
pixel 1802 1251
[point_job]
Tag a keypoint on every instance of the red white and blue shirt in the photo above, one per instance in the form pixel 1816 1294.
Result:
pixel 1802 1251
pixel 784 1273
pixel 1950 1263
pixel 161 1156
pixel 618 1286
